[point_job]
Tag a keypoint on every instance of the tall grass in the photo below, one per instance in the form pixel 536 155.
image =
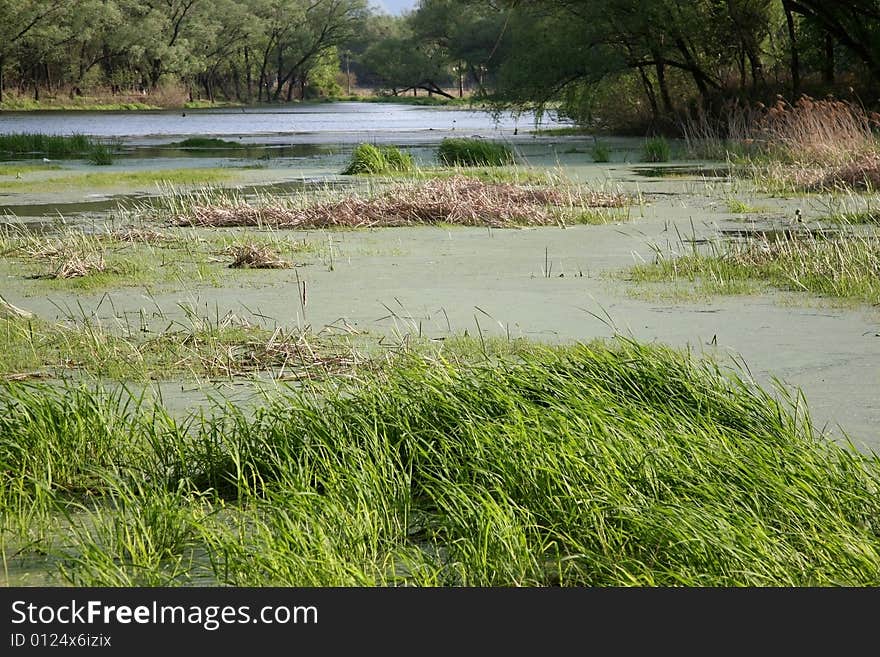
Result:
pixel 596 465
pixel 370 159
pixel 811 144
pixel 474 152
pixel 656 149
pixel 38 143
pixel 838 266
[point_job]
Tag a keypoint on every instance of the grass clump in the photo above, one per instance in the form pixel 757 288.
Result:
pixel 38 143
pixel 474 152
pixel 839 266
pixel 600 153
pixel 370 159
pixel 101 155
pixel 597 465
pixel 656 149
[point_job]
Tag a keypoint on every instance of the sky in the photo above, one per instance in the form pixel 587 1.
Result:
pixel 395 7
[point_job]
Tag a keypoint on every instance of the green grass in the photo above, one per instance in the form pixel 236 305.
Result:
pixel 101 155
pixel 370 159
pixel 597 465
pixel 25 168
pixel 38 143
pixel 121 179
pixel 28 104
pixel 656 149
pixel 514 174
pixel 474 152
pixel 600 153
pixel 143 258
pixel 736 206
pixel 845 267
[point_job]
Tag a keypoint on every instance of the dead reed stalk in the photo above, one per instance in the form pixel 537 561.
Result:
pixel 455 200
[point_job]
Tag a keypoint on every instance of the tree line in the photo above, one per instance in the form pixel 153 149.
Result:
pixel 654 57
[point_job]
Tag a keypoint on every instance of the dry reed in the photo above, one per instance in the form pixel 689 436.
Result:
pixel 253 256
pixel 811 144
pixel 455 200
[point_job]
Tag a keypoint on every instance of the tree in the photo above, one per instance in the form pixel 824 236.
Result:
pixel 22 19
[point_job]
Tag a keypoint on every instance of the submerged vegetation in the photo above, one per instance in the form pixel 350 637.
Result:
pixel 206 143
pixel 601 465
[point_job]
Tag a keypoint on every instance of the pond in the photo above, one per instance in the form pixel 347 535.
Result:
pixel 319 123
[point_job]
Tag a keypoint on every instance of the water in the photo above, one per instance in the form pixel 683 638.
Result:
pixel 312 124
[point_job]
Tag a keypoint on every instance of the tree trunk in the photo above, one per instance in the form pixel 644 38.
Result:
pixel 696 72
pixel 795 63
pixel 264 80
pixel 757 66
pixel 660 69
pixel 828 61
pixel 649 93
pixel 2 64
pixel 279 79
pixel 155 73
pixel 250 77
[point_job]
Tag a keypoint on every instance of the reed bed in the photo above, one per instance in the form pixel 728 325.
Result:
pixel 613 464
pixel 29 143
pixel 811 144
pixel 455 200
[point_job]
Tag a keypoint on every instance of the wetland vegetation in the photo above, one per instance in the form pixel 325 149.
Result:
pixel 333 345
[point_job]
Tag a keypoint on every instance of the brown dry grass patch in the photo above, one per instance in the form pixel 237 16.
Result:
pixel 77 265
pixel 455 200
pixel 253 256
